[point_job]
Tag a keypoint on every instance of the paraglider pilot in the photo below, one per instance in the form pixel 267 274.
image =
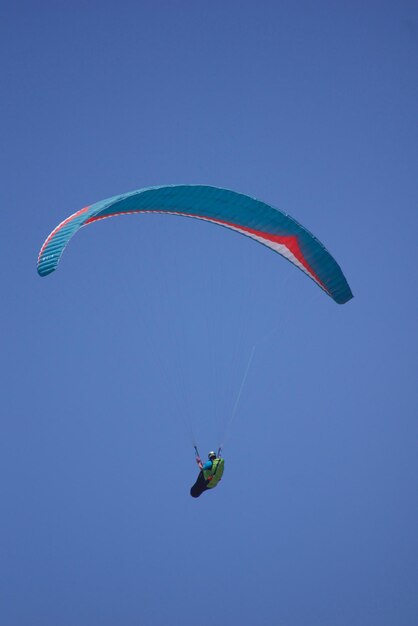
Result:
pixel 210 474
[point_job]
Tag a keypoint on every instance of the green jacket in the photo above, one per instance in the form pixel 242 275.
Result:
pixel 215 472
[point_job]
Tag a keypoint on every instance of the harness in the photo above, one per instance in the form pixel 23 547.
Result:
pixel 214 475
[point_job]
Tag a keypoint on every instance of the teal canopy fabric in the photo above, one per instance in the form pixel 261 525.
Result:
pixel 253 218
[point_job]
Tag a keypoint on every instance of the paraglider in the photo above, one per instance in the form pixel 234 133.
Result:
pixel 210 473
pixel 253 218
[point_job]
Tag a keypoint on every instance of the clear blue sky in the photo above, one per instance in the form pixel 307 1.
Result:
pixel 147 326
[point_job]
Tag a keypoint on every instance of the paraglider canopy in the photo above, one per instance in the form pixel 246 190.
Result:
pixel 248 216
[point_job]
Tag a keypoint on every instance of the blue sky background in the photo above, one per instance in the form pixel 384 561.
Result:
pixel 146 328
